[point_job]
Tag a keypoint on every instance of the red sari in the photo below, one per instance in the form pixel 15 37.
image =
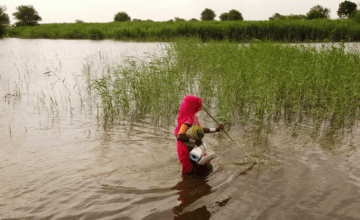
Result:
pixel 189 107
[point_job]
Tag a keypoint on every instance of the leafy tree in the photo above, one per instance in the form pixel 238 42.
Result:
pixel 322 9
pixel 79 21
pixel 4 18
pixel 27 15
pixel 193 19
pixel 224 16
pixel 136 20
pixel 235 15
pixel 122 16
pixel 315 14
pixel 207 15
pixel 345 9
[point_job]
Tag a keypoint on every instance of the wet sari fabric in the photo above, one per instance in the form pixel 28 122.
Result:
pixel 189 107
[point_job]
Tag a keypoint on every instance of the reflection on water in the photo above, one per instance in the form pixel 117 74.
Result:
pixel 59 161
pixel 191 188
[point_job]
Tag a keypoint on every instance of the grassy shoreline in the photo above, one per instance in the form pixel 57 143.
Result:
pixel 238 31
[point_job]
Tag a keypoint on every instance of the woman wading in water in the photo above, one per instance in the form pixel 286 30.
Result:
pixel 186 119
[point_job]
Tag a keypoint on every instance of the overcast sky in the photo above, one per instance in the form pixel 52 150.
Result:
pixel 162 10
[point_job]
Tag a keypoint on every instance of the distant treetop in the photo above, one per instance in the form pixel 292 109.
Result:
pixel 4 18
pixel 27 15
pixel 322 9
pixel 224 16
pixel 207 15
pixel 315 14
pixel 345 9
pixel 278 16
pixel 122 16
pixel 235 15
pixel 232 15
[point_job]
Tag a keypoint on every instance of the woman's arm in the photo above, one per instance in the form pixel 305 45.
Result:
pixel 213 130
pixel 183 138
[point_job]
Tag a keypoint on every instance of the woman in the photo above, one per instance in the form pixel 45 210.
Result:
pixel 187 117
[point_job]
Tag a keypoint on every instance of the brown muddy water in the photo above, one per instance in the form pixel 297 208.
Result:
pixel 58 160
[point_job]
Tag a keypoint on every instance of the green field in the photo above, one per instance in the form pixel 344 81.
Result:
pixel 258 83
pixel 240 31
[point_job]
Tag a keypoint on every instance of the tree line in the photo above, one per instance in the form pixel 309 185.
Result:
pixel 28 16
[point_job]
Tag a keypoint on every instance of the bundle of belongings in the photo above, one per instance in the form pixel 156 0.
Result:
pixel 197 153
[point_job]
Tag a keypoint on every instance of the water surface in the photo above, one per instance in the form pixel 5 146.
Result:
pixel 59 160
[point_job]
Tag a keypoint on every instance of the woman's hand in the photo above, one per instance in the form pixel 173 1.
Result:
pixel 220 127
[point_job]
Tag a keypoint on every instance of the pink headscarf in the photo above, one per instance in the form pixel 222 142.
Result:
pixel 188 108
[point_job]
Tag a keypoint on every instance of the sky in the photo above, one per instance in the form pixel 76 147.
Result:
pixel 103 11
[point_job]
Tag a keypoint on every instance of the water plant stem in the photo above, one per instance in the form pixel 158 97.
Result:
pixel 229 136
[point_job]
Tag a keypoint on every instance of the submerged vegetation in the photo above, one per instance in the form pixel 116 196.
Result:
pixel 257 83
pixel 317 30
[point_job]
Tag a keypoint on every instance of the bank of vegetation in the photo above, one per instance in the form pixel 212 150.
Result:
pixel 257 84
pixel 317 30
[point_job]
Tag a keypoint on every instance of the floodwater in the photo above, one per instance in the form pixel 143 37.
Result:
pixel 59 160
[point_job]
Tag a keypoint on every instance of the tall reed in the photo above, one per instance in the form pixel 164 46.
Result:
pixel 142 89
pixel 265 82
pixel 257 83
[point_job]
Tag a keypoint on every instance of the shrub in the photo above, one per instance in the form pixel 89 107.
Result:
pixel 96 34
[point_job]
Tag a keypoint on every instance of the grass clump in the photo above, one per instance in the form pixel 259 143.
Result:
pixel 141 89
pixel 258 83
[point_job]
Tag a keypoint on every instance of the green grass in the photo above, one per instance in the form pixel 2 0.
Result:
pixel 239 31
pixel 258 83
